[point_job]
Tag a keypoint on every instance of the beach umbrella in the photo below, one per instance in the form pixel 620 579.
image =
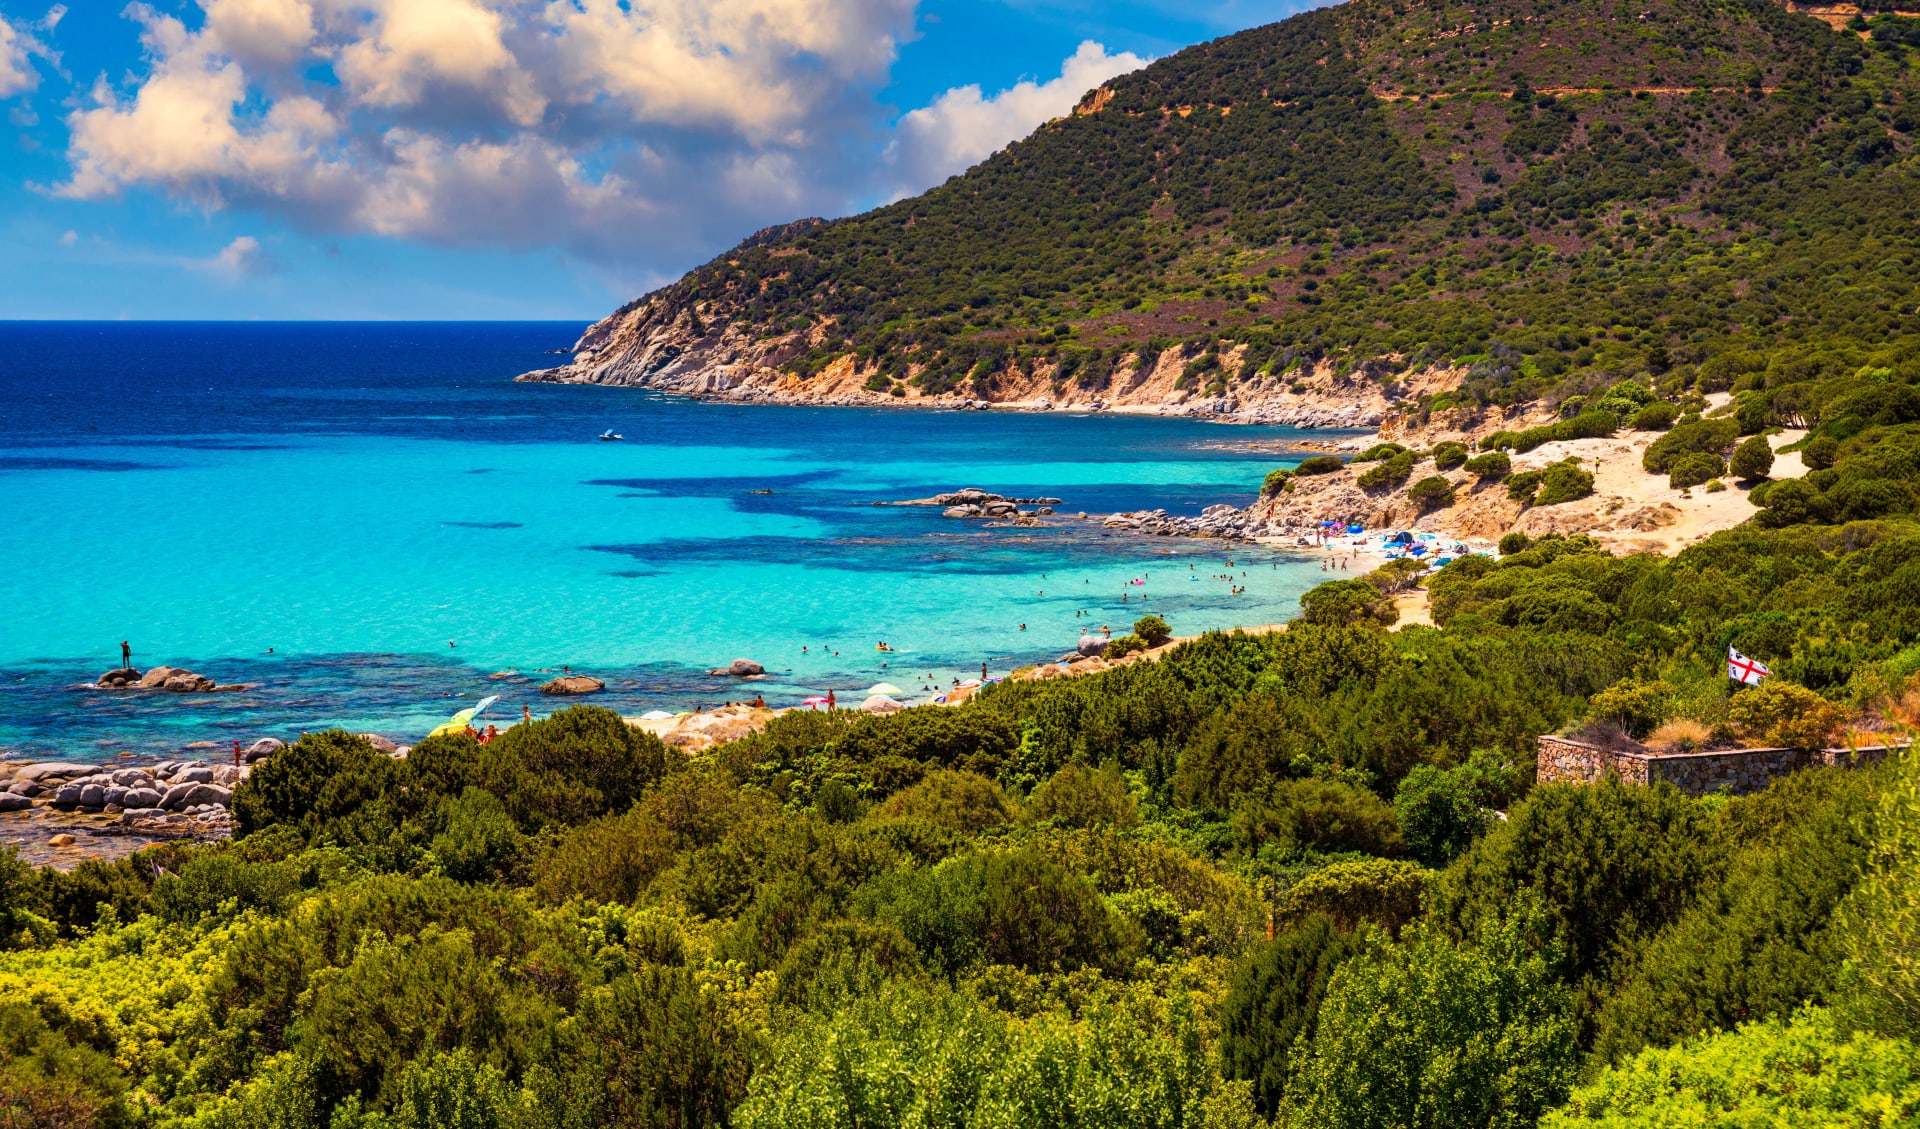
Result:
pixel 880 703
pixel 455 724
pixel 484 703
pixel 883 689
pixel 656 715
pixel 816 701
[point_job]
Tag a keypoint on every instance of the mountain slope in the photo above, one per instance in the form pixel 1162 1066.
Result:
pixel 1505 199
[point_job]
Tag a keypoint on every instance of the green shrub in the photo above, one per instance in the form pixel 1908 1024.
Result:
pixel 1635 705
pixel 1392 472
pixel 961 801
pixel 1437 1034
pixel 1801 1072
pixel 1379 451
pixel 1441 811
pixel 1385 892
pixel 1880 923
pixel 1493 464
pixel 1153 629
pixel 1821 452
pixel 1446 456
pixel 572 766
pixel 1431 493
pixel 480 839
pixel 318 779
pixel 1751 460
pixel 1657 416
pixel 1341 602
pixel 1513 542
pixel 1707 436
pixel 1320 464
pixel 1273 1005
pixel 1078 796
pixel 1316 815
pixel 1695 468
pixel 1784 715
pixel 1120 646
pixel 1275 482
pixel 1563 482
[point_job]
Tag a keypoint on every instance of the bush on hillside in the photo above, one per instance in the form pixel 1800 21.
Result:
pixel 1446 456
pixel 1493 464
pixel 1431 493
pixel 1752 460
pixel 1320 464
pixel 1784 715
pixel 1695 468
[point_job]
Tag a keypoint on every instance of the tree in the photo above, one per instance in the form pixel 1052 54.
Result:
pixel 1274 1002
pixel 1153 629
pixel 1441 811
pixel 1692 468
pixel 1752 459
pixel 1079 796
pixel 320 778
pixel 1434 1035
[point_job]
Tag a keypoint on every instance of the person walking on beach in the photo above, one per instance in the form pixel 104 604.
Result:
pixel 126 656
pixel 983 672
pixel 830 701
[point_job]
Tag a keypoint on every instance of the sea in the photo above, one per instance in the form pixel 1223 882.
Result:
pixel 371 526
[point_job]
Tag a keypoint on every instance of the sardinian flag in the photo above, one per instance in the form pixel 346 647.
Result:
pixel 1740 668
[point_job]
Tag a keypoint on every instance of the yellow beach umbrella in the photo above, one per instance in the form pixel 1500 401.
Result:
pixel 458 722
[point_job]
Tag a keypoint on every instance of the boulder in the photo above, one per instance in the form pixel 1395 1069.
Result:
pixel 25 788
pixel 155 678
pixel 117 795
pixel 962 511
pixel 11 801
pixel 183 796
pixel 187 682
pixel 117 679
pixel 228 775
pixel 574 684
pixel 55 770
pixel 131 777
pixel 194 774
pixel 92 796
pixel 201 794
pixel 1091 646
pixel 380 743
pixel 68 796
pixel 141 798
pixel 263 748
pixel 744 668
pixel 135 815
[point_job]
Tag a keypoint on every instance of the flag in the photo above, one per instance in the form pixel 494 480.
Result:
pixel 1740 668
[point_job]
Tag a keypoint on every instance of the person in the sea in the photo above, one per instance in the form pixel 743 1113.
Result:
pixel 126 655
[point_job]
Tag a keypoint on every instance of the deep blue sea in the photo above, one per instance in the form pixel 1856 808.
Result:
pixel 370 520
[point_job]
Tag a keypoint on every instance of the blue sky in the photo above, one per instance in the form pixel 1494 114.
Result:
pixel 497 159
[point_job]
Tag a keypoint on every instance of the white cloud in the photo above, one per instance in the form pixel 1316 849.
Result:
pixel 16 67
pixel 242 258
pixel 961 127
pixel 69 239
pixel 619 130
pixel 263 32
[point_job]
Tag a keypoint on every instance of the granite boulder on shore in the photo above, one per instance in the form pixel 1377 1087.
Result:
pixel 574 684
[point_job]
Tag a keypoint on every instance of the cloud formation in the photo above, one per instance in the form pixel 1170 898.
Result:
pixel 613 129
pixel 17 46
pixel 242 258
pixel 961 128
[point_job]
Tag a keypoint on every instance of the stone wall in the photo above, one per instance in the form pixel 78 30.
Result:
pixel 1562 759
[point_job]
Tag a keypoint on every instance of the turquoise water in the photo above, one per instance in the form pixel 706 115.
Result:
pixel 322 510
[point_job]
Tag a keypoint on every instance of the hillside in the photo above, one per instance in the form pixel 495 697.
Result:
pixel 1388 206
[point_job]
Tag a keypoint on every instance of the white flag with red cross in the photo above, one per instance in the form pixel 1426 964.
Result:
pixel 1740 668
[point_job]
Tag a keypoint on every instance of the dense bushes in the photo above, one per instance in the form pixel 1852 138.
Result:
pixel 1320 464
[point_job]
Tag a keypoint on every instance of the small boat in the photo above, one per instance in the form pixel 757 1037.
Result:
pixel 609 435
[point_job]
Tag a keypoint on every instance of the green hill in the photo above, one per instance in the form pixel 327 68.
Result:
pixel 1559 193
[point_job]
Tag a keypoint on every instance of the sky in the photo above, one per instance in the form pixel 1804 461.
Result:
pixel 499 159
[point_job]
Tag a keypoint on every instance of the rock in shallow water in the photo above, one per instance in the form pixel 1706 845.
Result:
pixel 574 684
pixel 13 801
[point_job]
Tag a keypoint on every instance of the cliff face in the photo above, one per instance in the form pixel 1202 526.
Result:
pixel 668 346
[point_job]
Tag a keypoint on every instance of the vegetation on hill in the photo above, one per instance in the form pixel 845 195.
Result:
pixel 1551 194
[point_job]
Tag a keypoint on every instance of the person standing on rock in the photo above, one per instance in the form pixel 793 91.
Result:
pixel 236 752
pixel 126 655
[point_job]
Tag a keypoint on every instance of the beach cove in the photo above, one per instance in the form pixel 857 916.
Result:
pixel 319 511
